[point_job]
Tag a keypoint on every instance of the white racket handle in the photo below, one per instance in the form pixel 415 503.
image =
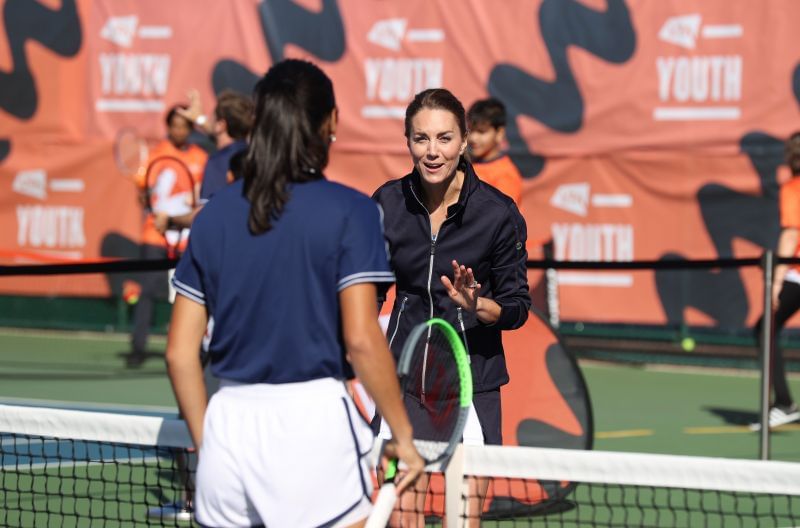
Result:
pixel 382 509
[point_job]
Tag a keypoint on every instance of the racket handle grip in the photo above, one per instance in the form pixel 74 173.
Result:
pixel 382 509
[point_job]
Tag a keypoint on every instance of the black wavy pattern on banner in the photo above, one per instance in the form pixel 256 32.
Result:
pixel 285 22
pixel 728 214
pixel 57 30
pixel 558 104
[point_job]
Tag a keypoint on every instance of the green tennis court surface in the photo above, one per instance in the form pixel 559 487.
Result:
pixel 637 409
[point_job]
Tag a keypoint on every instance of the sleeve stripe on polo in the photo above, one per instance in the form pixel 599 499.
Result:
pixel 188 291
pixel 366 276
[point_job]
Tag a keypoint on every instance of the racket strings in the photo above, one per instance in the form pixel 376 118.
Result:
pixel 433 388
pixel 131 153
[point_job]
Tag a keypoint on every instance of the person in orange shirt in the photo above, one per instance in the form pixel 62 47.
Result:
pixel 153 244
pixel 487 133
pixel 786 287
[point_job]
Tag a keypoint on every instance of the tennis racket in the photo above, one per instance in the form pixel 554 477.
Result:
pixel 131 152
pixel 436 380
pixel 170 189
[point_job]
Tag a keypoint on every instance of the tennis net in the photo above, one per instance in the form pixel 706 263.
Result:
pixel 522 486
pixel 70 468
pixel 66 468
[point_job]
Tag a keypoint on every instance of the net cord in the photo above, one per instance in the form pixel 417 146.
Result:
pixel 94 426
pixel 637 469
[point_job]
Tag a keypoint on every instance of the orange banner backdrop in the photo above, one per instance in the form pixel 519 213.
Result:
pixel 645 130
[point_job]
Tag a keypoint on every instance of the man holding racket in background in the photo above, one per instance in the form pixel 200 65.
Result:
pixel 233 120
pixel 168 185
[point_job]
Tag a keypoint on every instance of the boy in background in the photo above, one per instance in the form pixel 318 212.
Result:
pixel 487 133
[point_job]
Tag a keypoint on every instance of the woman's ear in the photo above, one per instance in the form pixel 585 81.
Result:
pixel 333 121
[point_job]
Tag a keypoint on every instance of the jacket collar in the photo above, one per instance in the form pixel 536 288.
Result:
pixel 469 187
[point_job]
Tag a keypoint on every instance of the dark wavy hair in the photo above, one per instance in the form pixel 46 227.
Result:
pixel 293 101
pixel 792 153
pixel 490 111
pixel 438 99
pixel 237 112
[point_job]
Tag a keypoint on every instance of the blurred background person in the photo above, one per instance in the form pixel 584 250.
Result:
pixel 785 288
pixel 153 244
pixel 233 120
pixel 486 120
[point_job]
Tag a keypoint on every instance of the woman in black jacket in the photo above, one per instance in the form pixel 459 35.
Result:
pixel 457 247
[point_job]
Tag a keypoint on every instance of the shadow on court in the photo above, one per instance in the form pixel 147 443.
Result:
pixel 734 416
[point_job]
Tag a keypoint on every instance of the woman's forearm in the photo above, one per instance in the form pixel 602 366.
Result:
pixel 487 310
pixel 186 330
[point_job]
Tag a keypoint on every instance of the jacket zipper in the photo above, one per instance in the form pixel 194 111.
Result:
pixel 399 315
pixel 430 299
pixel 463 333
pixel 430 278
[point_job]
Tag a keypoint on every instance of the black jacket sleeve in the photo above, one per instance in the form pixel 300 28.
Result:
pixel 509 271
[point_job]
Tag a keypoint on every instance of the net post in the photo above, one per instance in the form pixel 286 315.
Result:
pixel 455 489
pixel 766 344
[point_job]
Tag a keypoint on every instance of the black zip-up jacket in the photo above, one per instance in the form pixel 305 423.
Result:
pixel 484 230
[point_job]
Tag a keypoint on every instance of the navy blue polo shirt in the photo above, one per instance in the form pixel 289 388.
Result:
pixel 215 173
pixel 274 296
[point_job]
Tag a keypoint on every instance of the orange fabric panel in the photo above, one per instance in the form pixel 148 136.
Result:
pixel 502 174
pixel 658 121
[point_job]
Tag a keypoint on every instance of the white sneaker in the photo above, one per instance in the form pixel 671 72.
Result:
pixel 780 416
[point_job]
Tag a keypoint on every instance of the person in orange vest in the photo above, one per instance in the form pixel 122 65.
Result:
pixel 153 244
pixel 786 287
pixel 487 133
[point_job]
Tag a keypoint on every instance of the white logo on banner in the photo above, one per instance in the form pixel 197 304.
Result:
pixel 392 81
pixel 388 33
pixel 41 226
pixel 31 183
pixel 576 197
pixel 575 241
pixel 681 30
pixel 120 30
pixel 34 183
pixel 572 197
pixel 133 82
pixel 698 83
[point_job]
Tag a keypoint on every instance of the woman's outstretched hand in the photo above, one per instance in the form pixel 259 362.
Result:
pixel 463 289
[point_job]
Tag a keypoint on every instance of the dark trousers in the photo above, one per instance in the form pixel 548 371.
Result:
pixel 788 305
pixel 154 286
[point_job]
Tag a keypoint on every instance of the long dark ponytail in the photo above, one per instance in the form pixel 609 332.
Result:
pixel 293 101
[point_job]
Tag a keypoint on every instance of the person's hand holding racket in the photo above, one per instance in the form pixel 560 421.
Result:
pixel 404 451
pixel 170 191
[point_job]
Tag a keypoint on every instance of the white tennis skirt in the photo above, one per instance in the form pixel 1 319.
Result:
pixel 290 454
